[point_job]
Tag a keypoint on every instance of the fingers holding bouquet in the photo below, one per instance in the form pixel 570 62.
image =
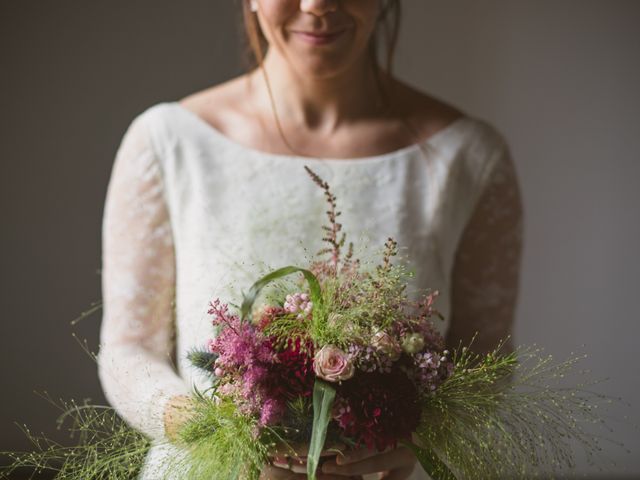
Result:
pixel 290 461
pixel 273 472
pixel 393 464
pixel 290 469
pixel 338 463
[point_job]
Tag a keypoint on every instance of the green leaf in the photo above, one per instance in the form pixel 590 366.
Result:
pixel 250 297
pixel 202 359
pixel 323 397
pixel 435 468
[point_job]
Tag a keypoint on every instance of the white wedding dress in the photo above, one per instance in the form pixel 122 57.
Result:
pixel 191 215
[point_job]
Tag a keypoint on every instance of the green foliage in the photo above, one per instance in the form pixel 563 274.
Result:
pixel 356 305
pixel 323 397
pixel 202 359
pixel 286 329
pixel 298 420
pixel 500 416
pixel 105 447
pixel 254 291
pixel 221 443
pixel 430 462
pixel 353 305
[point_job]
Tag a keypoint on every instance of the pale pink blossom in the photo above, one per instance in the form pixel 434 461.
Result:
pixel 298 303
pixel 332 364
pixel 385 343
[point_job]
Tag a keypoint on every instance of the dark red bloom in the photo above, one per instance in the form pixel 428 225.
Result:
pixel 291 375
pixel 378 409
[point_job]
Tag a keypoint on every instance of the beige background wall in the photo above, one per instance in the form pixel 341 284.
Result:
pixel 560 78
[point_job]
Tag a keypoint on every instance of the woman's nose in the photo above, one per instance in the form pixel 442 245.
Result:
pixel 318 7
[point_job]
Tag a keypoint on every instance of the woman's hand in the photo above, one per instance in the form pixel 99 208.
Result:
pixel 177 412
pixel 396 464
pixel 291 464
pixel 298 472
pixel 293 468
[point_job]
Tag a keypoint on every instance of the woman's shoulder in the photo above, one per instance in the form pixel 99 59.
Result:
pixel 219 105
pixel 428 113
pixel 165 120
pixel 431 114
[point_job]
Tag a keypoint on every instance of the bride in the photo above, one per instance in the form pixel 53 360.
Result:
pixel 209 191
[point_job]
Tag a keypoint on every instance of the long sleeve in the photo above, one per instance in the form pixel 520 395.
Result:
pixel 138 283
pixel 485 277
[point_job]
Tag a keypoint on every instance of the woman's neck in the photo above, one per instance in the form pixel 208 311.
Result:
pixel 317 104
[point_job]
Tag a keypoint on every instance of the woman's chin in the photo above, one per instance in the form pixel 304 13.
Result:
pixel 321 68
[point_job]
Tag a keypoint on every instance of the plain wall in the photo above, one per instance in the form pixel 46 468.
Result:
pixel 559 78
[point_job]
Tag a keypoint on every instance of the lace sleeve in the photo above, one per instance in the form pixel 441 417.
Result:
pixel 485 277
pixel 138 278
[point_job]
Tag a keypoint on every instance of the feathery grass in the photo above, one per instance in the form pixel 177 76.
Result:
pixel 106 447
pixel 503 416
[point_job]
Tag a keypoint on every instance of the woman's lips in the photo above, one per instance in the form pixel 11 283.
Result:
pixel 317 38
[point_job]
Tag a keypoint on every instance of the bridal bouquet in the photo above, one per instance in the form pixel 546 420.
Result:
pixel 346 359
pixel 343 358
pixel 350 359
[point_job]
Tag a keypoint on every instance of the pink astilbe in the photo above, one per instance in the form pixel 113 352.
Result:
pixel 220 312
pixel 240 346
pixel 244 357
pixel 272 411
pixel 260 376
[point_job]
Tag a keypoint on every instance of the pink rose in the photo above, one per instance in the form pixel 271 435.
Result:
pixel 383 342
pixel 332 364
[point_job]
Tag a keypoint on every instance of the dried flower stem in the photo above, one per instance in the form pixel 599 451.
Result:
pixel 334 228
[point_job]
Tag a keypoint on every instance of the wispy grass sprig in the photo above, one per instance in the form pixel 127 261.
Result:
pixel 356 305
pixel 218 442
pixel 287 329
pixel 502 416
pixel 104 446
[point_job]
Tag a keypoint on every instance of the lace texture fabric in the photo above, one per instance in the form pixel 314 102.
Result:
pixel 486 273
pixel 191 216
pixel 138 280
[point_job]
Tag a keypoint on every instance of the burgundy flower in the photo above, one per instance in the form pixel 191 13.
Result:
pixel 378 409
pixel 291 375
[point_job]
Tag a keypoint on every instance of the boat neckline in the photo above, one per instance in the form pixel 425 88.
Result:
pixel 403 151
